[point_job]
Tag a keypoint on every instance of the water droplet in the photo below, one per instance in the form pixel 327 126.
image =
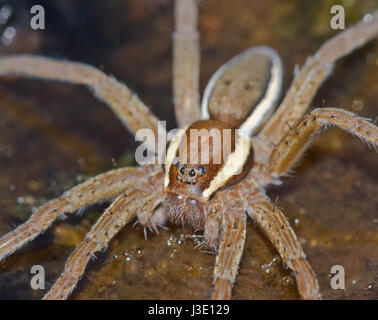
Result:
pixel 357 105
pixel 287 281
pixel 368 18
pixel 5 13
pixel 296 70
pixel 8 35
pixel 128 256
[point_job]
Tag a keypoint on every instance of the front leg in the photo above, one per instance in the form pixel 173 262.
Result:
pixel 232 239
pixel 186 63
pixel 99 188
pixel 150 215
pixel 212 227
pixel 276 227
pixel 316 69
pixel 118 214
pixel 295 142
pixel 133 113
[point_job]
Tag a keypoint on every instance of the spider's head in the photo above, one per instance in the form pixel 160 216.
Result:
pixel 204 158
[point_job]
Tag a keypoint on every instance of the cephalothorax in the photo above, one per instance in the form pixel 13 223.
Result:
pixel 212 183
pixel 192 180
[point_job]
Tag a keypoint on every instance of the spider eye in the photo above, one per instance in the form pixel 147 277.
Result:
pixel 201 171
pixel 192 173
pixel 182 170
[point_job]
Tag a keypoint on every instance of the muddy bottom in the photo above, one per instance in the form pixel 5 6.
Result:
pixel 53 136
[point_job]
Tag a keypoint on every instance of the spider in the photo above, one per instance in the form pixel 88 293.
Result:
pixel 216 198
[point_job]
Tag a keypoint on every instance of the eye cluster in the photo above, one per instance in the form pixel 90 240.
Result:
pixel 187 174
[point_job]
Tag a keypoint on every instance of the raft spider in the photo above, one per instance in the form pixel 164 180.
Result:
pixel 221 208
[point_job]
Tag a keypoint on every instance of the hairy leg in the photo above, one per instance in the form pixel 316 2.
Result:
pixel 212 227
pixel 294 143
pixel 102 187
pixel 314 72
pixel 274 224
pixel 149 213
pixel 234 198
pixel 232 239
pixel 150 218
pixel 126 105
pixel 120 212
pixel 226 224
pixel 186 63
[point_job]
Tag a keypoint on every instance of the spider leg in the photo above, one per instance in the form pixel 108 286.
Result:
pixel 99 188
pixel 133 113
pixel 294 143
pixel 314 72
pixel 212 228
pixel 226 223
pixel 150 218
pixel 232 239
pixel 274 224
pixel 120 212
pixel 186 63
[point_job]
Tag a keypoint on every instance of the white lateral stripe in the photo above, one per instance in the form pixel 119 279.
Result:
pixel 233 166
pixel 268 103
pixel 171 153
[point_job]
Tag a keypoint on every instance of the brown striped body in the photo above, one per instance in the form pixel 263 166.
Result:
pixel 210 156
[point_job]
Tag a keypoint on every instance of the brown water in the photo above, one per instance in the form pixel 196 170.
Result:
pixel 53 135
